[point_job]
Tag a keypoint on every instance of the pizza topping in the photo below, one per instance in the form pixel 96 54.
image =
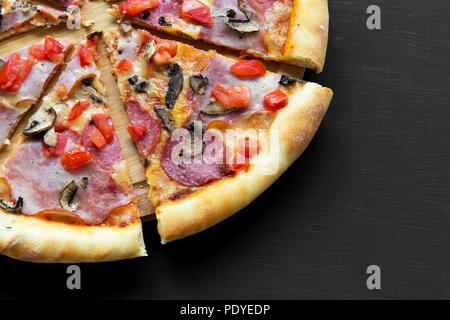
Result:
pixel 149 51
pixel 196 171
pixel 238 96
pixel 124 66
pixel 53 50
pixel 196 11
pixel 137 131
pixel 135 7
pixel 78 109
pixel 65 197
pixel 162 22
pixel 141 87
pixel 162 58
pixel 2 64
pixel 87 54
pixel 139 117
pixel 89 92
pixel 193 149
pixel 88 81
pixel 286 80
pixel 175 84
pixel 97 138
pixel 125 27
pixel 250 24
pixel 166 117
pixel 12 206
pixel 58 148
pixel 198 83
pixel 15 72
pixel 132 80
pixel 44 119
pixel 215 108
pixel 103 123
pixel 75 158
pixel 144 15
pixel 275 100
pixel 248 68
pixel 50 137
pixel 84 182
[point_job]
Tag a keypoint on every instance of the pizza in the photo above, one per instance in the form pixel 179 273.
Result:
pixel 212 132
pixel 67 3
pixel 17 16
pixel 65 191
pixel 24 74
pixel 292 31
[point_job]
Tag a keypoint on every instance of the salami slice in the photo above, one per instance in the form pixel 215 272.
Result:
pixel 29 170
pixel 137 114
pixel 196 171
pixel 105 157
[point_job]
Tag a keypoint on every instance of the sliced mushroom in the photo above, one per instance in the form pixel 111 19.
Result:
pixel 88 81
pixel 251 24
pixel 149 50
pixel 198 83
pixel 214 108
pixel 166 117
pixel 9 206
pixel 84 182
pixel 43 120
pixel 66 196
pixel 195 148
pixel 50 137
pixel 2 63
pixel 175 84
pixel 90 93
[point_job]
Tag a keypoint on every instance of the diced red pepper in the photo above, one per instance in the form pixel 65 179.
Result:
pixel 102 123
pixel 78 109
pixel 58 149
pixel 248 68
pixel 135 7
pixel 75 158
pixel 137 131
pixel 124 66
pixel 276 100
pixel 15 72
pixel 97 138
pixel 196 11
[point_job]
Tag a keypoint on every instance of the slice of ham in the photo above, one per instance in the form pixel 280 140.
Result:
pixel 16 19
pixel 218 72
pixel 74 73
pixel 29 170
pixel 66 3
pixel 196 171
pixel 8 117
pixel 106 157
pixel 137 113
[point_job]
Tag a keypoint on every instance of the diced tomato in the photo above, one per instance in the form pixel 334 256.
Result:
pixel 78 109
pixel 137 131
pixel 135 7
pixel 75 158
pixel 240 96
pixel 196 11
pixel 162 58
pixel 102 123
pixel 15 72
pixel 235 96
pixel 97 138
pixel 87 55
pixel 37 51
pixel 124 66
pixel 62 91
pixel 58 149
pixel 221 94
pixel 53 50
pixel 248 68
pixel 275 100
pixel 167 45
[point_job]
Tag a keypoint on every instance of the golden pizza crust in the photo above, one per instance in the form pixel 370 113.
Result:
pixel 296 125
pixel 33 239
pixel 306 42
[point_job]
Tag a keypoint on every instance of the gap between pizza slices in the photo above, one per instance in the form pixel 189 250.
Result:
pixel 292 31
pixel 182 101
pixel 65 192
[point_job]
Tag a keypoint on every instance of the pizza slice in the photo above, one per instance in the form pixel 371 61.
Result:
pixel 17 16
pixel 292 31
pixel 212 132
pixel 65 193
pixel 23 76
pixel 66 3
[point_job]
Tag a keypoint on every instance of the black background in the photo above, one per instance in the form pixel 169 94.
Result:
pixel 372 188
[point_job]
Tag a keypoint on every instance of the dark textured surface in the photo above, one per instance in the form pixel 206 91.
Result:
pixel 373 188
